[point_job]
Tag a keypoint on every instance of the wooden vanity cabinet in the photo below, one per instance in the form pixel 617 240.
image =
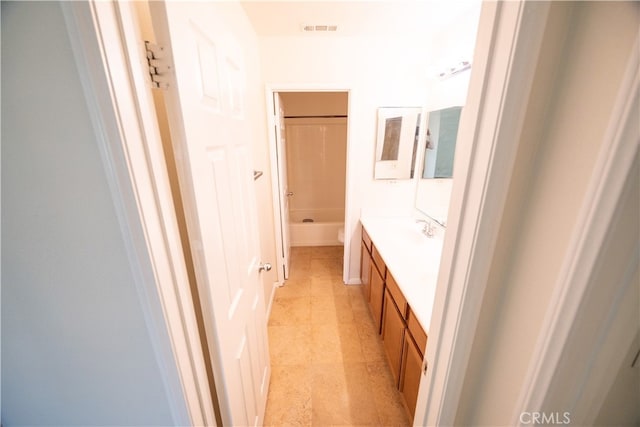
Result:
pixel 415 343
pixel 410 373
pixel 372 275
pixel 376 296
pixel 365 269
pixel 403 338
pixel 393 332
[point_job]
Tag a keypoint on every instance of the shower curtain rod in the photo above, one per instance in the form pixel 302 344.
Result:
pixel 344 116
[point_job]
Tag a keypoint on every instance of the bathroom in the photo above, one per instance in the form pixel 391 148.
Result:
pixel 294 61
pixel 315 128
pixel 413 81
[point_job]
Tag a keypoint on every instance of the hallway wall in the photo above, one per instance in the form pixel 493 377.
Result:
pixel 76 349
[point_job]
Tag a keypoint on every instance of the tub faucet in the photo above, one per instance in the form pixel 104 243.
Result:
pixel 428 228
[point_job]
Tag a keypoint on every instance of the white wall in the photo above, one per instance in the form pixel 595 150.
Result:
pixel 75 346
pixel 433 195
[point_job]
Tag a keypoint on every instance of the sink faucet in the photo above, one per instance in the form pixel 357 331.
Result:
pixel 428 229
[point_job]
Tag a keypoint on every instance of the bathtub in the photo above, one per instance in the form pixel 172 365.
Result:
pixel 325 229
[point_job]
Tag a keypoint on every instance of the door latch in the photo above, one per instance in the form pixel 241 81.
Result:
pixel 264 267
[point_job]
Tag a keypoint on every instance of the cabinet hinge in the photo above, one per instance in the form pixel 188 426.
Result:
pixel 159 66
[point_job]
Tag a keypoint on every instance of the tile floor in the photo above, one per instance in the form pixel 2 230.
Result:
pixel 328 363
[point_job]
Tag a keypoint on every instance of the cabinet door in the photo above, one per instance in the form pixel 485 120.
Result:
pixel 393 331
pixel 376 296
pixel 411 372
pixel 365 270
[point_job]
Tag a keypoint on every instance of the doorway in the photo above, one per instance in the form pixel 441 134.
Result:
pixel 309 160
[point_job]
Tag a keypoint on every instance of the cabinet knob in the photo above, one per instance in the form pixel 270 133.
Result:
pixel 425 365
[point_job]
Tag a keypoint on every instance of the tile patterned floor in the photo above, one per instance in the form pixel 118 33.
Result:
pixel 328 363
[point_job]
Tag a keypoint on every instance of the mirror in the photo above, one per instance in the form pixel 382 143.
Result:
pixel 397 142
pixel 442 132
pixel 434 188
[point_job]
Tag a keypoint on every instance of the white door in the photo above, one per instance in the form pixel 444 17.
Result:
pixel 206 104
pixel 283 188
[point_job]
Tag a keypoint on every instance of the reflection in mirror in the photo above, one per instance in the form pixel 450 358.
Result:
pixel 442 133
pixel 397 142
pixel 433 195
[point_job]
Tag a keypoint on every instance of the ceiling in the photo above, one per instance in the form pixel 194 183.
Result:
pixel 356 18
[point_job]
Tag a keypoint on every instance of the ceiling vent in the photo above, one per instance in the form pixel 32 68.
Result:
pixel 319 28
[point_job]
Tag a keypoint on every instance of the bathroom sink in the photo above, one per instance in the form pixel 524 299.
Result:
pixel 402 239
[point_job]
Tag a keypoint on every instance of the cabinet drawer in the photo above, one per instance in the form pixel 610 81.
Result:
pixel 378 261
pixel 366 240
pixel 397 295
pixel 416 331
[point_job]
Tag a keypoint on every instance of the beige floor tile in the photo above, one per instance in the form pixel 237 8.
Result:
pixel 294 287
pixel 334 308
pixel 291 311
pixel 323 302
pixel 341 395
pixel 339 288
pixel 335 343
pixel 290 344
pixel 300 266
pixel 354 292
pixel 323 317
pixel 300 273
pixel 370 341
pixel 336 252
pixel 289 400
pixel 389 401
pixel 328 362
pixel 360 307
pixel 325 267
pixel 321 286
pixel 299 250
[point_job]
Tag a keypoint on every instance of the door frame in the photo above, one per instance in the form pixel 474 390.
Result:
pixel 508 47
pixel 276 185
pixel 131 149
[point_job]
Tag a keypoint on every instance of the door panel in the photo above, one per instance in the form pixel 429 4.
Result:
pixel 211 137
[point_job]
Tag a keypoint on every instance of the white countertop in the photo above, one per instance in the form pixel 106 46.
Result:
pixel 412 258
